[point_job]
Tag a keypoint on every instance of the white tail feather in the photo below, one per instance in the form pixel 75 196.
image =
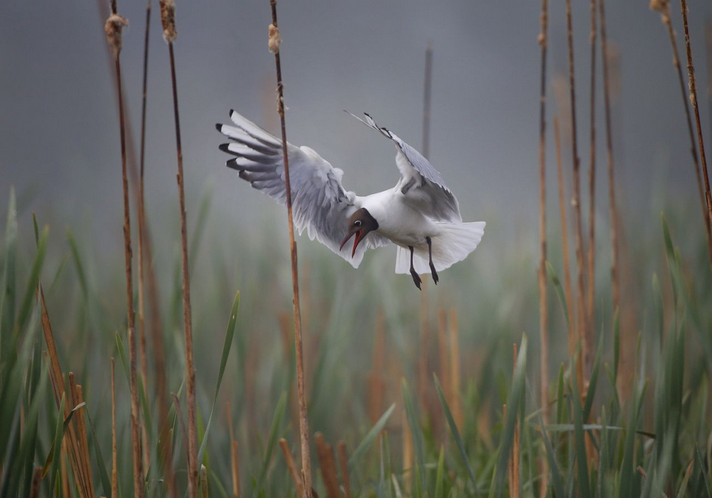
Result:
pixel 454 243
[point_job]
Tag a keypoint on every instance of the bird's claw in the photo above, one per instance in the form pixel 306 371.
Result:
pixel 416 279
pixel 436 279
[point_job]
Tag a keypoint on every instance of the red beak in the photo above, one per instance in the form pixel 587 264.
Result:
pixel 357 240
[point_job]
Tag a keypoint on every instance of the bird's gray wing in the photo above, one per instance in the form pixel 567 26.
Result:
pixel 420 182
pixel 320 204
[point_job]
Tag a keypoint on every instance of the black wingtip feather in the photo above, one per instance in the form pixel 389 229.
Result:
pixel 218 127
pixel 224 148
pixel 232 164
pixel 232 111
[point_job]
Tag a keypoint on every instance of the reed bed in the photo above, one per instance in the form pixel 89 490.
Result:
pixel 493 416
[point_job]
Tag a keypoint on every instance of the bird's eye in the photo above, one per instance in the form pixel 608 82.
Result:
pixel 357 223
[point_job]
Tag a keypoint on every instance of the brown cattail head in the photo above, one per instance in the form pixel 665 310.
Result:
pixel 659 5
pixel 274 39
pixel 114 24
pixel 168 20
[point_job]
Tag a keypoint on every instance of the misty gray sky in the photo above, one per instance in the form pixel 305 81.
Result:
pixel 59 124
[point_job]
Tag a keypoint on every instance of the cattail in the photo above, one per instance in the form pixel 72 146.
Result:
pixel 298 485
pixel 273 45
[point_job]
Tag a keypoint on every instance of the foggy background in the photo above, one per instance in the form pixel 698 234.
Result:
pixel 59 137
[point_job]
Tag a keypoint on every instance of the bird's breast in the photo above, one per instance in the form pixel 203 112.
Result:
pixel 398 221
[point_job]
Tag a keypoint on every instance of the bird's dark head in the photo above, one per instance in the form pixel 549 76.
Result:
pixel 359 224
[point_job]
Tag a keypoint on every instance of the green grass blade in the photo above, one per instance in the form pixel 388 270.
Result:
pixel 273 435
pixel 227 345
pixel 515 396
pixel 559 292
pixel 439 477
pixel 32 282
pixel 593 381
pixel 7 309
pixel 103 474
pixel 370 437
pixel 416 433
pixel 456 434
pixel 580 441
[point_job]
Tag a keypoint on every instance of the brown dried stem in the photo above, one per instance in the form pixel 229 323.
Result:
pixel 343 463
pixel 663 7
pixel 234 464
pixel 543 310
pixel 615 277
pixel 328 467
pixel 455 400
pixel 301 388
pixel 576 200
pixel 572 339
pixel 693 99
pixel 169 34
pixel 292 468
pixel 590 298
pixel 114 38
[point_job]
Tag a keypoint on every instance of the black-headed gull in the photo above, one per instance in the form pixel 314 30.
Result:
pixel 420 215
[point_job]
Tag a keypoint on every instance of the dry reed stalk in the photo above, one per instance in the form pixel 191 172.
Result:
pixel 274 41
pixel 328 467
pixel 376 387
pixel 114 455
pixel 543 298
pixel 179 415
pixel 343 463
pixel 75 391
pixel 57 380
pixel 113 28
pixel 576 201
pixel 615 277
pixel 64 456
pixel 663 7
pixel 590 297
pixel 455 400
pixel 36 481
pixel 572 339
pixel 708 54
pixel 693 99
pixel 292 467
pixel 141 230
pixel 169 35
pixel 234 467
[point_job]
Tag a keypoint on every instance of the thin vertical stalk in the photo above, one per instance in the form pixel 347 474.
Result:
pixel 576 201
pixel 455 400
pixel 572 338
pixel 113 31
pixel 590 297
pixel 423 376
pixel 301 388
pixel 169 35
pixel 693 98
pixel 543 311
pixel 141 231
pixel 664 9
pixel 615 277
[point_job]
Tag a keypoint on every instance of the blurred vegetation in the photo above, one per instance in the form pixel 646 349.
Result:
pixel 643 426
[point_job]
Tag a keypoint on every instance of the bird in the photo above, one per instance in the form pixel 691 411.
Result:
pixel 420 214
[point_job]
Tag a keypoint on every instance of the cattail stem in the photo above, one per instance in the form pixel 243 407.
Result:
pixel 693 99
pixel 576 200
pixel 543 311
pixel 590 297
pixel 572 339
pixel 113 31
pixel 301 388
pixel 615 277
pixel 344 467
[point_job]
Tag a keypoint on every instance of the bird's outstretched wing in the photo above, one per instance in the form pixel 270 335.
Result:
pixel 320 204
pixel 420 182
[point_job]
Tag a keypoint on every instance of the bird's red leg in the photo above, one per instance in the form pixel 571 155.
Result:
pixel 413 273
pixel 436 279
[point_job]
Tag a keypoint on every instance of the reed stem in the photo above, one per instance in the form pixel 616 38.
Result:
pixel 113 31
pixel 576 200
pixel 543 308
pixel 301 388
pixel 615 277
pixel 590 296
pixel 693 99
